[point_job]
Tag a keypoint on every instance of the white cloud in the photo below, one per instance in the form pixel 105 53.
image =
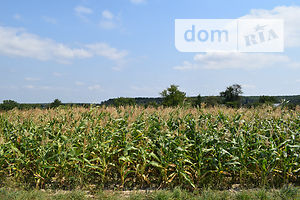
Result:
pixel 29 86
pixel 45 88
pixel 107 24
pixel 109 20
pixel 18 42
pixel 290 15
pixel 94 87
pixel 81 10
pixel 298 80
pixel 107 14
pixel 103 49
pixel 248 86
pixel 31 79
pixel 140 90
pixel 79 83
pixel 49 20
pixel 57 74
pixel 138 1
pixel 228 60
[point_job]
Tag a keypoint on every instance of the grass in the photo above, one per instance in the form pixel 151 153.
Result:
pixel 138 148
pixel 286 193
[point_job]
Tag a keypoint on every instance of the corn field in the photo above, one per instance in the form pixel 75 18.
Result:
pixel 134 147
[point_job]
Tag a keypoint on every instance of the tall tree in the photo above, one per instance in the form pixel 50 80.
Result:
pixel 55 103
pixel 232 95
pixel 172 96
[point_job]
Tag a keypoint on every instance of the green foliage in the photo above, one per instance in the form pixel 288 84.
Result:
pixel 140 148
pixel 172 96
pixel 55 103
pixel 212 101
pixel 267 100
pixel 8 105
pixel 121 101
pixel 232 95
pixel 197 102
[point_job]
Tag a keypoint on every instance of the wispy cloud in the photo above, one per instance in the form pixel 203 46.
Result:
pixel 83 12
pixel 29 86
pixel 79 83
pixel 31 79
pixel 119 57
pixel 138 1
pixel 248 86
pixel 95 88
pixel 18 42
pixel 45 88
pixel 49 20
pixel 107 24
pixel 57 74
pixel 231 60
pixel 103 49
pixel 106 14
pixel 109 20
pixel 142 90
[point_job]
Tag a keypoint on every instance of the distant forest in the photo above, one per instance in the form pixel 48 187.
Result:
pixel 247 101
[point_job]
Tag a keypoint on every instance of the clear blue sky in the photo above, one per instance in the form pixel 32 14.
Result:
pixel 93 50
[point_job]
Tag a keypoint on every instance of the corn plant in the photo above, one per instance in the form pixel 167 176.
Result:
pixel 134 147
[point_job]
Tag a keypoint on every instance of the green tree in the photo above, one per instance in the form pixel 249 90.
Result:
pixel 267 100
pixel 232 95
pixel 172 96
pixel 212 100
pixel 197 101
pixel 9 105
pixel 122 101
pixel 55 103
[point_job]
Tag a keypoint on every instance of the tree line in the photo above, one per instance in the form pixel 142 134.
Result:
pixel 172 96
pixel 231 97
